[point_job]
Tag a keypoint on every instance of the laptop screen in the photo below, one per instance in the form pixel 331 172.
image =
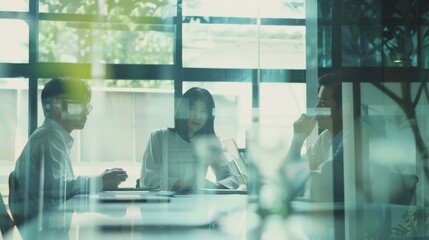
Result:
pixel 237 162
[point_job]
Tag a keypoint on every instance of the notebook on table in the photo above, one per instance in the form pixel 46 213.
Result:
pixel 134 189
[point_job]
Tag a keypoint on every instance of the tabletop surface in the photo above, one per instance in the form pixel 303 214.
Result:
pixel 163 215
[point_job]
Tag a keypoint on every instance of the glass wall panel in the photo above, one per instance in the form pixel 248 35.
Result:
pixel 14 41
pixel 243 46
pixel 14 5
pixel 122 8
pixel 389 140
pixel 245 8
pixel 106 43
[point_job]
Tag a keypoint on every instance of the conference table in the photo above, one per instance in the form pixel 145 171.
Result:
pixel 166 215
pixel 144 215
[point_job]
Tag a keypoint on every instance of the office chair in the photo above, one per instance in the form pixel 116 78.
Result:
pixel 6 222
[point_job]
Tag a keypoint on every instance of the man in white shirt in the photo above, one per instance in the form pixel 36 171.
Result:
pixel 325 155
pixel 43 177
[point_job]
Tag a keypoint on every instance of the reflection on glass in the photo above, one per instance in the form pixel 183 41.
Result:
pixel 394 155
pixel 233 108
pixel 400 46
pixel 324 46
pixel 236 46
pixel 105 43
pixel 14 41
pixel 392 148
pixel 425 47
pixel 125 8
pixel 361 45
pixel 358 10
pixel 245 8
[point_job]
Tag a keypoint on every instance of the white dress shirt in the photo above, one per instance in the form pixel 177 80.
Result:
pixel 44 174
pixel 321 156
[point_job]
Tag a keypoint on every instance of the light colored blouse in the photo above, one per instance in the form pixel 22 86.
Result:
pixel 169 158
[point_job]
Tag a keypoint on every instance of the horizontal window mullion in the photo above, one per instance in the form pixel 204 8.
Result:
pixel 14 15
pixel 242 75
pixel 111 71
pixel 104 19
pixel 13 70
pixel 244 21
pixel 219 20
pixel 377 21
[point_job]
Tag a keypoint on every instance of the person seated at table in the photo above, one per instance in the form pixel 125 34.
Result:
pixel 325 156
pixel 43 177
pixel 178 158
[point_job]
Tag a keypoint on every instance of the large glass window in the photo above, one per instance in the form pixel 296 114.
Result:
pixel 77 42
pixel 118 36
pixel 245 8
pixel 243 46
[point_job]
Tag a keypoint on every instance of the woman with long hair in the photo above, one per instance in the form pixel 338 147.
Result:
pixel 179 157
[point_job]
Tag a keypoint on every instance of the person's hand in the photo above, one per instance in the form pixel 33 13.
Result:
pixel 184 184
pixel 113 177
pixel 303 126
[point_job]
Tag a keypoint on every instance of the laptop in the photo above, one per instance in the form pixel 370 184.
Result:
pixel 237 163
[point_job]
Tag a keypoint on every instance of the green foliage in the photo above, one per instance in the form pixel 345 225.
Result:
pixel 373 30
pixel 118 38
pixel 408 227
pixel 147 8
pixel 358 10
pixel 105 43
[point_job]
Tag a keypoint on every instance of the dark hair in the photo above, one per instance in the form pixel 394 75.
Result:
pixel 333 80
pixel 181 116
pixel 71 88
